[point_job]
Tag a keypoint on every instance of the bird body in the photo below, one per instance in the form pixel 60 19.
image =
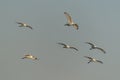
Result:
pixel 28 56
pixel 70 21
pixel 67 46
pixel 93 60
pixel 24 25
pixel 95 47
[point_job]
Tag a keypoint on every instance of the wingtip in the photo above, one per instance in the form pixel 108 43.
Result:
pixel 65 12
pixel 23 58
pixel 77 28
pixel 104 52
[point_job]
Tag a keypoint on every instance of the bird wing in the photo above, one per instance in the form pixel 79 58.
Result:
pixel 76 26
pixel 69 19
pixel 27 55
pixel 90 44
pixel 74 48
pixel 29 27
pixel 101 49
pixel 88 57
pixel 99 61
pixel 19 23
pixel 62 44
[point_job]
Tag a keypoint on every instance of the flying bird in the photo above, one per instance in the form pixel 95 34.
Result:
pixel 95 47
pixel 67 46
pixel 93 60
pixel 24 25
pixel 28 56
pixel 70 21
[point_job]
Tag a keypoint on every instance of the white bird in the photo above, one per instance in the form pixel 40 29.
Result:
pixel 28 56
pixel 24 25
pixel 70 21
pixel 95 47
pixel 67 46
pixel 93 60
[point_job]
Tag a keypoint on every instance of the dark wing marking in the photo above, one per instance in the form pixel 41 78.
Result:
pixel 99 61
pixel 37 58
pixel 101 49
pixel 29 27
pixel 92 45
pixel 23 58
pixel 62 44
pixel 89 61
pixel 69 19
pixel 19 23
pixel 74 48
pixel 76 26
pixel 88 57
pixel 27 55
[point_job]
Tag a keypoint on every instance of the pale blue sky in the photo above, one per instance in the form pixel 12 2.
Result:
pixel 99 22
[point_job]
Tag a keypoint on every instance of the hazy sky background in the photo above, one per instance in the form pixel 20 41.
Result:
pixel 99 23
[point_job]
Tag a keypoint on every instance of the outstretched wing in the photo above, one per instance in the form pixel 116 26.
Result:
pixel 101 49
pixel 69 19
pixel 62 44
pixel 99 61
pixel 19 23
pixel 74 48
pixel 76 26
pixel 29 27
pixel 92 45
pixel 88 57
pixel 27 55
